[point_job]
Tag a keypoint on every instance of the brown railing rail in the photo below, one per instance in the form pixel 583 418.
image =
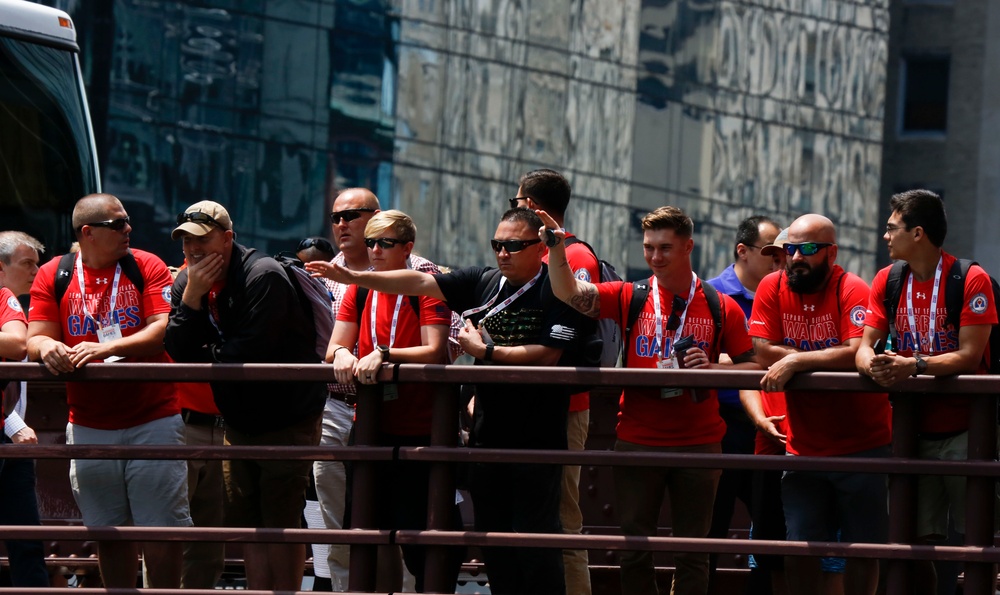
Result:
pixel 979 553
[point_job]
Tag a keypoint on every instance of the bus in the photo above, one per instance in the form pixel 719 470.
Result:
pixel 48 158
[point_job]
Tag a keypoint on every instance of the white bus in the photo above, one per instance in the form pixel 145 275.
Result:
pixel 47 154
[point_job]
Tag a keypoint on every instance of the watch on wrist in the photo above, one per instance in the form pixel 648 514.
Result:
pixel 384 350
pixel 488 356
pixel 921 365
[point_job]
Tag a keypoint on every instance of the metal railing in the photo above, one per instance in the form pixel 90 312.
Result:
pixel 979 552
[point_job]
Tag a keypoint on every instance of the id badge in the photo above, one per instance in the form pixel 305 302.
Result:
pixel 390 391
pixel 669 364
pixel 106 334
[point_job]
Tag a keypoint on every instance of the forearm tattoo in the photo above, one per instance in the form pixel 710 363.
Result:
pixel 587 301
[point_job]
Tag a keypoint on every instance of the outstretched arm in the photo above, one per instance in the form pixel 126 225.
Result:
pixel 581 295
pixel 401 282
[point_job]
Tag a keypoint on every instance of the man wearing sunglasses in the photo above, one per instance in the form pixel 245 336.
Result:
pixel 512 318
pixel 233 305
pixel 811 316
pixel 102 317
pixel 669 419
pixel 931 335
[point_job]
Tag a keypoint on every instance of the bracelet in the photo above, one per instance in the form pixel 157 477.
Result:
pixel 488 356
pixel 338 349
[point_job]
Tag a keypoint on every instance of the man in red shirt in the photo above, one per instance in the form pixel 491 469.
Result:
pixel 811 317
pixel 103 317
pixel 927 342
pixel 549 190
pixel 667 419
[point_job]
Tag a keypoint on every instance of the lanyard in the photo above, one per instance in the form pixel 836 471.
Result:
pixel 395 318
pixel 934 303
pixel 504 303
pixel 83 292
pixel 659 316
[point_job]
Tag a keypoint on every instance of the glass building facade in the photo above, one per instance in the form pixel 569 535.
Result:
pixel 725 108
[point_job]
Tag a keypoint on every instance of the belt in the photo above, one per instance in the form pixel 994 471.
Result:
pixel 197 418
pixel 350 400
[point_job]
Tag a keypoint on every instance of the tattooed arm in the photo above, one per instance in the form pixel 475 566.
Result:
pixel 581 295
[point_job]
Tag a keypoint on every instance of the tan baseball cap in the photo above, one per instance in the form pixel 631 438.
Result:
pixel 778 245
pixel 201 218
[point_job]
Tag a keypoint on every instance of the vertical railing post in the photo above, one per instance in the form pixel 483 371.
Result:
pixel 366 425
pixel 980 493
pixel 902 492
pixel 438 564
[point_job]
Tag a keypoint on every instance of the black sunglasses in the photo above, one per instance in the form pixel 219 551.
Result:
pixel 806 248
pixel 198 217
pixel 320 244
pixel 348 215
pixel 512 246
pixel 513 201
pixel 383 243
pixel 112 224
pixel 675 311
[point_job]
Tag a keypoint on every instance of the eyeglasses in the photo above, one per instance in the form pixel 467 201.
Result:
pixel 320 244
pixel 752 247
pixel 513 201
pixel 806 248
pixel 675 313
pixel 112 224
pixel 512 246
pixel 198 217
pixel 383 243
pixel 889 229
pixel 348 215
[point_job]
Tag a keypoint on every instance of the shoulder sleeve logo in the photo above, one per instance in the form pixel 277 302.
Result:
pixel 858 316
pixel 978 303
pixel 166 293
pixel 13 304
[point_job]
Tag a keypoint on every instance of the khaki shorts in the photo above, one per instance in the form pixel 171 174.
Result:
pixel 941 496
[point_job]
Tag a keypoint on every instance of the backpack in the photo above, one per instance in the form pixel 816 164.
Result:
pixel 954 294
pixel 607 338
pixel 68 261
pixel 314 298
pixel 640 291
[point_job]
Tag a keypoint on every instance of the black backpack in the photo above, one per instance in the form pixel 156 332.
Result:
pixel 604 347
pixel 640 291
pixel 65 272
pixel 954 294
pixel 314 298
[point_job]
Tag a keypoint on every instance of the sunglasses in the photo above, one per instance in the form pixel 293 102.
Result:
pixel 806 248
pixel 383 243
pixel 112 224
pixel 675 313
pixel 512 246
pixel 320 244
pixel 513 201
pixel 348 215
pixel 198 217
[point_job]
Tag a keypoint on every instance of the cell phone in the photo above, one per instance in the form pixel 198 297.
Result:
pixel 878 347
pixel 550 237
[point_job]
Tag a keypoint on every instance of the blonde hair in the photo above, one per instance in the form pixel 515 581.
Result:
pixel 396 221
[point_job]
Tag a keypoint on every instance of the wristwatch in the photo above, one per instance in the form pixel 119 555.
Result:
pixel 921 365
pixel 384 350
pixel 488 356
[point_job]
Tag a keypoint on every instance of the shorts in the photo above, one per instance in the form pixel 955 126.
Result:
pixel 819 503
pixel 269 493
pixel 939 496
pixel 126 492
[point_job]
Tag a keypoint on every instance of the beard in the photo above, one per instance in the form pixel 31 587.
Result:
pixel 803 278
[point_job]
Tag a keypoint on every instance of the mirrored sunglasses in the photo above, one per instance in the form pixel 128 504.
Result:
pixel 806 248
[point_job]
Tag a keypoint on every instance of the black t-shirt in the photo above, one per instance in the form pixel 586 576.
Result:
pixel 517 415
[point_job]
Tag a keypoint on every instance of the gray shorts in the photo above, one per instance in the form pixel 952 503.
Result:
pixel 131 492
pixel 941 496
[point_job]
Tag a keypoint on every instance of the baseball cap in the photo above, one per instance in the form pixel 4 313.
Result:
pixel 201 218
pixel 778 245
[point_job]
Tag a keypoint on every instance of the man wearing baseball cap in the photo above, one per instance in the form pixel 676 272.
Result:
pixel 234 305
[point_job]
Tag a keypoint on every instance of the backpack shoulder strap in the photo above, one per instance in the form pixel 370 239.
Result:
pixel 894 289
pixel 954 290
pixel 715 307
pixel 360 299
pixel 63 275
pixel 640 291
pixel 131 269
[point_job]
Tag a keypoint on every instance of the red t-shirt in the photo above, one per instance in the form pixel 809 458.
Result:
pixel 410 413
pixel 823 423
pixel 583 263
pixel 939 412
pixel 109 405
pixel 773 405
pixel 10 310
pixel 646 418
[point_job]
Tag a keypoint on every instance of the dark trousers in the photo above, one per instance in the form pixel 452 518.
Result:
pixel 19 506
pixel 519 498
pixel 733 483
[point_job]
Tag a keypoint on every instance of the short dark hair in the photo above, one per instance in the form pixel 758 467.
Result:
pixel 548 188
pixel 520 214
pixel 669 218
pixel 922 208
pixel 748 232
